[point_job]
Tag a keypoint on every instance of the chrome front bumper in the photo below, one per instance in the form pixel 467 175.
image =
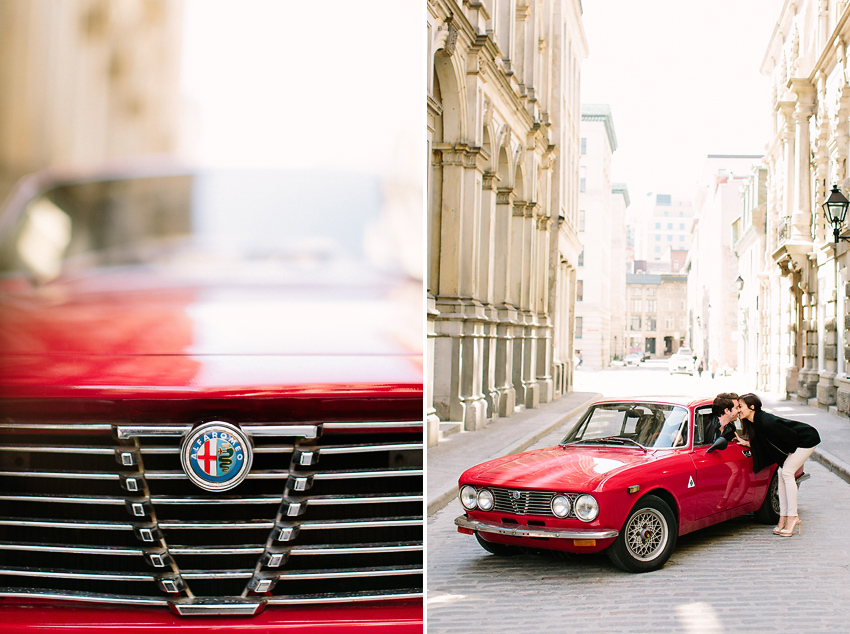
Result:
pixel 536 531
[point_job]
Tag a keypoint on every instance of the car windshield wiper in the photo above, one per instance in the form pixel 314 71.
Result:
pixel 617 440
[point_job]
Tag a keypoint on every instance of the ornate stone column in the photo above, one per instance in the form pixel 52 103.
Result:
pixel 507 313
pixel 486 272
pixel 801 220
pixel 543 369
pixel 459 327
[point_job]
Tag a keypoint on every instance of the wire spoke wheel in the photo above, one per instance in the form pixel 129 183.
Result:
pixel 648 537
pixel 646 534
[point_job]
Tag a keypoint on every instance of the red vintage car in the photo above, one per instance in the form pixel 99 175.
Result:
pixel 211 406
pixel 629 478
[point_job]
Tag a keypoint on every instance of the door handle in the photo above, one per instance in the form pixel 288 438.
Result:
pixel 747 453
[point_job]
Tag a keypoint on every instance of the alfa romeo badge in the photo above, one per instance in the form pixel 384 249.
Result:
pixel 216 456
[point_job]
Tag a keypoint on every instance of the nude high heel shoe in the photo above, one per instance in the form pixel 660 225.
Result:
pixel 788 531
pixel 778 528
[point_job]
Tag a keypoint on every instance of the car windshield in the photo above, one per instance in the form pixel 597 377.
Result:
pixel 218 215
pixel 652 425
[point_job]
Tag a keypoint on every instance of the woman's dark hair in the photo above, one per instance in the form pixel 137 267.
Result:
pixel 754 402
pixel 751 400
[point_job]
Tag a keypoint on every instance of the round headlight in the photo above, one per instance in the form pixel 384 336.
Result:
pixel 586 508
pixel 485 500
pixel 468 495
pixel 561 505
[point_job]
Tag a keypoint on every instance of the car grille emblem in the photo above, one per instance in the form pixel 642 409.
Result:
pixel 516 495
pixel 216 456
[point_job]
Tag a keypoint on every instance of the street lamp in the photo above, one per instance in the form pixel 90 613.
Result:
pixel 835 209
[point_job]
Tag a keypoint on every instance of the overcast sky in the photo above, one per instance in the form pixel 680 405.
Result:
pixel 682 79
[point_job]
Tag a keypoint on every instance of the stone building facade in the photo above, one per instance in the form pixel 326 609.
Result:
pixel 81 82
pixel 502 205
pixel 656 313
pixel 804 291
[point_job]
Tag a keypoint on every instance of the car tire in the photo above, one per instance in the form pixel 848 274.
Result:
pixel 768 512
pixel 648 537
pixel 503 550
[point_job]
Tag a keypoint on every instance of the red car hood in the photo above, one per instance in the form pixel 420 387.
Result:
pixel 567 469
pixel 148 330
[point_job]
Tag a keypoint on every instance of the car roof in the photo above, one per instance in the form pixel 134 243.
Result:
pixel 686 401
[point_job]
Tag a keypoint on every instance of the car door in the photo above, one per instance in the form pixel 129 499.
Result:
pixel 724 478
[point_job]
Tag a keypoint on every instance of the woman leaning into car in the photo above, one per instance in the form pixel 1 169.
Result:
pixel 785 442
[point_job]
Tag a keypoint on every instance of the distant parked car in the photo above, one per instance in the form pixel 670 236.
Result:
pixel 682 362
pixel 634 358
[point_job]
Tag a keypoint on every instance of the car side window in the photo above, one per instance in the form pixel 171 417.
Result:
pixel 703 418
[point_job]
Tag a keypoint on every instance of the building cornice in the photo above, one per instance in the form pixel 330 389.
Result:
pixel 621 188
pixel 828 56
pixel 777 38
pixel 601 112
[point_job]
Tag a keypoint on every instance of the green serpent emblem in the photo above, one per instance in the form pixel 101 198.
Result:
pixel 225 458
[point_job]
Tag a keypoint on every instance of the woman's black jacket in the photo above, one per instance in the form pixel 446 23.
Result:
pixel 776 437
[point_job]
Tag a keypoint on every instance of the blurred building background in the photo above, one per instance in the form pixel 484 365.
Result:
pixel 223 82
pixel 82 81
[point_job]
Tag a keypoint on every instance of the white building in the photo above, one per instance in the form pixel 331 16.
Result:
pixel 712 270
pixel 660 223
pixel 602 231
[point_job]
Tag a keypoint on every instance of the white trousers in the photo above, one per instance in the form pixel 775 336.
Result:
pixel 787 483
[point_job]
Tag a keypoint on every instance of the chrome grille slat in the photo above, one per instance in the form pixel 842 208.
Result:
pixel 65 475
pixel 268 499
pixel 217 574
pixel 361 523
pixel 215 550
pixel 345 475
pixel 92 451
pixel 89 597
pixel 342 598
pixel 355 550
pixel 57 499
pixel 215 525
pixel 45 573
pixel 32 523
pixel 330 451
pixel 104 513
pixel 44 548
pixel 375 425
pixel 351 573
pixel 329 500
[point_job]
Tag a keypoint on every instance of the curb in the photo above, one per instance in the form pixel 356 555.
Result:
pixel 443 499
pixel 833 463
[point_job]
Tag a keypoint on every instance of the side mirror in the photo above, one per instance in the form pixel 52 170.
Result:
pixel 721 443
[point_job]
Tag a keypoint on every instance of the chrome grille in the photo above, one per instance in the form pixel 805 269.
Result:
pixel 329 512
pixel 520 502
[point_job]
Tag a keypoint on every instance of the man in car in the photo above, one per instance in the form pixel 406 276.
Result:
pixel 725 409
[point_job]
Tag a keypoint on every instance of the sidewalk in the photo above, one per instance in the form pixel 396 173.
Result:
pixel 501 437
pixel 517 433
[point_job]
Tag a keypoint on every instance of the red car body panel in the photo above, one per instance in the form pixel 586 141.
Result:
pixel 127 337
pixel 702 488
pixel 40 616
